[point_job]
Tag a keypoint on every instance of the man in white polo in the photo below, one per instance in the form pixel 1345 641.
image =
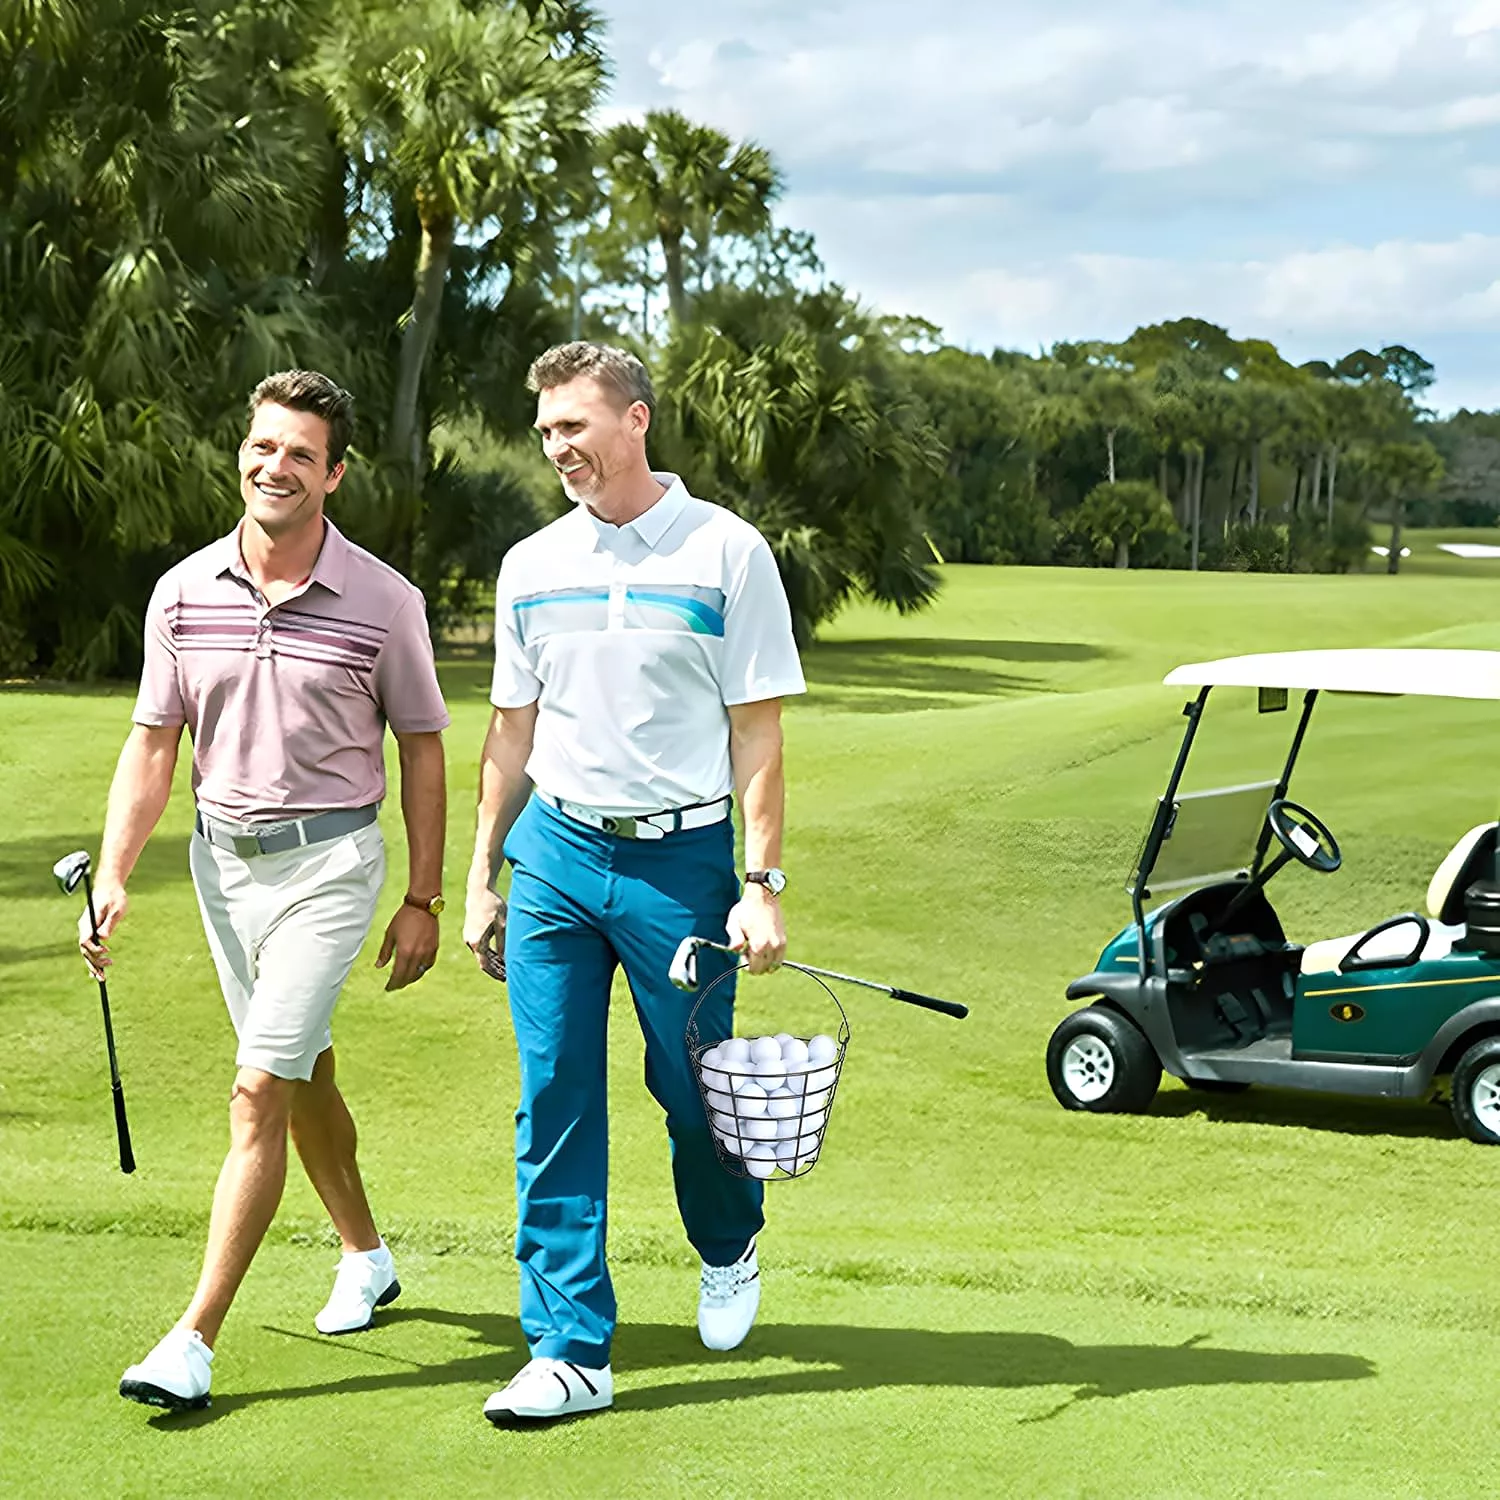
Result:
pixel 642 646
pixel 285 650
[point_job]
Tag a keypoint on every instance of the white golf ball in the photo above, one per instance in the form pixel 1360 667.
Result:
pixel 811 1103
pixel 784 1104
pixel 823 1079
pixel 791 1156
pixel 724 1124
pixel 715 1079
pixel 811 1123
pixel 761 1160
pixel 749 1099
pixel 793 1051
pixel 782 1038
pixel 822 1049
pixel 765 1049
pixel 710 1059
pixel 758 1130
pixel 719 1100
pixel 770 1075
pixel 735 1052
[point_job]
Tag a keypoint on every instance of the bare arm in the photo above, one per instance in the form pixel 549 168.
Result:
pixel 503 789
pixel 137 798
pixel 755 757
pixel 412 936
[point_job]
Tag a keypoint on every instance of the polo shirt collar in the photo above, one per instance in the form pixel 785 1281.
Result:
pixel 331 568
pixel 651 525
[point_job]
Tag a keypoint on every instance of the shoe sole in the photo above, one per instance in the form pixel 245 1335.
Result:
pixel 505 1418
pixel 389 1295
pixel 155 1395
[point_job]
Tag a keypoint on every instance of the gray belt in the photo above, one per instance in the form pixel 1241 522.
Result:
pixel 250 839
pixel 655 825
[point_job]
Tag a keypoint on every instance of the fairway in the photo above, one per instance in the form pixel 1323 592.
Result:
pixel 974 1292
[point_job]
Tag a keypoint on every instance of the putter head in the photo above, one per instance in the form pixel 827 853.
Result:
pixel 684 970
pixel 70 870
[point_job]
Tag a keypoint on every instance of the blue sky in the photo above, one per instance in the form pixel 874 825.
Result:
pixel 1325 174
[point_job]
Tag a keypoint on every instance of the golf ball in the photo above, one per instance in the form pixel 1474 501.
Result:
pixel 822 1049
pixel 782 1038
pixel 714 1078
pixel 749 1099
pixel 758 1130
pixel 735 1052
pixel 724 1124
pixel 711 1058
pixel 765 1049
pixel 813 1102
pixel 719 1100
pixel 823 1079
pixel 793 1156
pixel 770 1075
pixel 784 1104
pixel 811 1124
pixel 793 1051
pixel 761 1160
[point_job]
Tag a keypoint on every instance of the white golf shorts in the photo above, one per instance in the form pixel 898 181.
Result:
pixel 284 930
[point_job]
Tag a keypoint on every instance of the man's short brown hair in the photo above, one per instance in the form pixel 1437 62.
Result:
pixel 307 390
pixel 617 370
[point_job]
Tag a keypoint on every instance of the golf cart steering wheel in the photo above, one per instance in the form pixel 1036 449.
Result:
pixel 1304 836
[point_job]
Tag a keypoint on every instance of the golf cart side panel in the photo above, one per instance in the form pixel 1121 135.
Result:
pixel 1143 1000
pixel 1269 1061
pixel 1391 1012
pixel 1468 1025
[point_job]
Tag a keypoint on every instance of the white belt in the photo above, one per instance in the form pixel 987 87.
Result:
pixel 655 825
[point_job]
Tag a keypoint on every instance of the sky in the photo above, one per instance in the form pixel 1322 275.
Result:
pixel 1325 174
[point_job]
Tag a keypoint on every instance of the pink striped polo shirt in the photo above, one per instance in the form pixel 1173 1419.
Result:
pixel 287 704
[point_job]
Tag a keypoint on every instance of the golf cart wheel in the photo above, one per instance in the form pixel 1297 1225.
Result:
pixel 1476 1092
pixel 1098 1060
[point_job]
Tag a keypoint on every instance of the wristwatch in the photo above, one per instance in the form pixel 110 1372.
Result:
pixel 433 907
pixel 773 879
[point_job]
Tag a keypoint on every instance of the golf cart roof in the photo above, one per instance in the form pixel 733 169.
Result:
pixel 1433 674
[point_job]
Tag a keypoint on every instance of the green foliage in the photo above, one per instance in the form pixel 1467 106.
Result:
pixel 794 410
pixel 1116 517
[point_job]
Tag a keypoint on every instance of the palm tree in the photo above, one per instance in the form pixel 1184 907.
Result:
pixel 472 114
pixel 673 178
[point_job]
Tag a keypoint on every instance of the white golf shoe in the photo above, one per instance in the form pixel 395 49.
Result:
pixel 549 1388
pixel 174 1375
pixel 728 1298
pixel 366 1280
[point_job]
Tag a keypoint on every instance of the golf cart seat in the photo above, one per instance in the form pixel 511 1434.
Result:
pixel 1395 941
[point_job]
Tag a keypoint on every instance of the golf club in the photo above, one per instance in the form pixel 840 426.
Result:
pixel 69 872
pixel 684 974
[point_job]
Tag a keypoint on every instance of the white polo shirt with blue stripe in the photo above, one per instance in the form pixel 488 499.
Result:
pixel 633 641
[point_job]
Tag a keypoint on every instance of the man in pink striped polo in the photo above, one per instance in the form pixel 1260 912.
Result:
pixel 286 651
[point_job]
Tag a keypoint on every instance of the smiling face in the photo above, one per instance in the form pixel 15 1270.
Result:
pixel 284 472
pixel 596 445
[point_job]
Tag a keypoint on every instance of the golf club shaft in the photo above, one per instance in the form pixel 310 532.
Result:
pixel 117 1089
pixel 909 997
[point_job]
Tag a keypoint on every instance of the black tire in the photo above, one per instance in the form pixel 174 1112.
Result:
pixel 1099 1049
pixel 1476 1092
pixel 1216 1085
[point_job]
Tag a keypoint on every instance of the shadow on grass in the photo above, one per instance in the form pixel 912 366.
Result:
pixel 37 954
pixel 26 865
pixel 833 1358
pixel 1292 1108
pixel 897 674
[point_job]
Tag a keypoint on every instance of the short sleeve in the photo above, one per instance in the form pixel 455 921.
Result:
pixel 405 678
pixel 159 704
pixel 515 684
pixel 760 651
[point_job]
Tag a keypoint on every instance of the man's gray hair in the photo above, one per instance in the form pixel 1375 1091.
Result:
pixel 617 370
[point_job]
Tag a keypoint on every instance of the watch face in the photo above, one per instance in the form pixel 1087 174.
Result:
pixel 436 905
pixel 774 880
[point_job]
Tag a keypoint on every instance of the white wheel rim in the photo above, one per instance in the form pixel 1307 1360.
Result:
pixel 1484 1095
pixel 1088 1069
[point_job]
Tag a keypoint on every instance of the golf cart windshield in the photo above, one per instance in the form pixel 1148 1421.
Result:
pixel 1212 835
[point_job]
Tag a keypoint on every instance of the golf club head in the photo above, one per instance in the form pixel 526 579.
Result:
pixel 684 970
pixel 70 870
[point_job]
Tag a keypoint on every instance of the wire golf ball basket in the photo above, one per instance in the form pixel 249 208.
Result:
pixel 767 1098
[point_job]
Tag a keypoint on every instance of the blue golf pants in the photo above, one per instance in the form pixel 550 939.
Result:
pixel 582 902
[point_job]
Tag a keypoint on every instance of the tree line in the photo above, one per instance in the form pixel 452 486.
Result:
pixel 414 199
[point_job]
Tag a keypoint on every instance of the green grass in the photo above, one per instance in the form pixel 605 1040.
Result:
pixel 975 1291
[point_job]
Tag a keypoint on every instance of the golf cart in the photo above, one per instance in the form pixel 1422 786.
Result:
pixel 1207 986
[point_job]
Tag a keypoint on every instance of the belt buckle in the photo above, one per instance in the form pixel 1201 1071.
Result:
pixel 246 845
pixel 623 828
